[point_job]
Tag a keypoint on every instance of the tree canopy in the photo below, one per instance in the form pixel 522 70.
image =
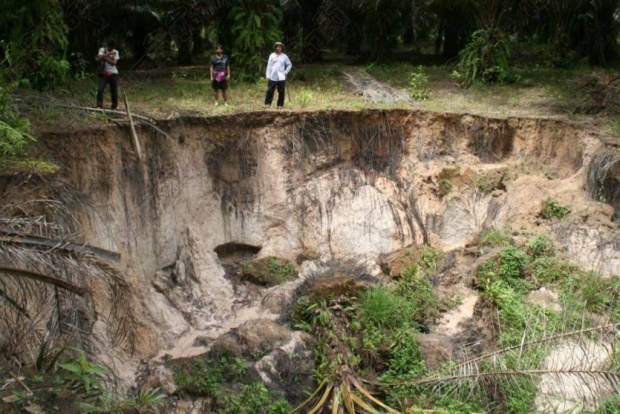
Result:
pixel 44 41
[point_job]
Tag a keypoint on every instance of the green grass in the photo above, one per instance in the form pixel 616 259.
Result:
pixel 496 237
pixel 270 271
pixel 169 92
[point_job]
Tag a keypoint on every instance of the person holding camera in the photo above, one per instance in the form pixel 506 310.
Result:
pixel 108 73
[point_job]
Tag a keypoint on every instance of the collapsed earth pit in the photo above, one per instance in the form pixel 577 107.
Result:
pixel 308 191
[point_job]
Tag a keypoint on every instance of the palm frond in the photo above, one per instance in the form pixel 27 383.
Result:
pixel 577 364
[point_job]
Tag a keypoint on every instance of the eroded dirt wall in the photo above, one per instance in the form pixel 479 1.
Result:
pixel 340 184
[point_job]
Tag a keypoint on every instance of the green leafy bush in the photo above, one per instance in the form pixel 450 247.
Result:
pixel 86 376
pixel 495 237
pixel 418 85
pixel 204 375
pixel 486 57
pixel 552 209
pixel 253 399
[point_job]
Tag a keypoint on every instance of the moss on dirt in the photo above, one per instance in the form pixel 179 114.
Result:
pixel 270 271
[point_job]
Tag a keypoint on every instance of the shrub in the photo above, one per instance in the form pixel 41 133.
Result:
pixel 204 375
pixel 551 209
pixel 253 399
pixel 495 237
pixel 418 85
pixel 541 246
pixel 486 57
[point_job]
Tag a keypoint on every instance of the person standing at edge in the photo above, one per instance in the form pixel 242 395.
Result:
pixel 278 66
pixel 108 57
pixel 220 73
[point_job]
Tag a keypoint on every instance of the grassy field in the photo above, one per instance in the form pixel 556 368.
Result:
pixel 170 92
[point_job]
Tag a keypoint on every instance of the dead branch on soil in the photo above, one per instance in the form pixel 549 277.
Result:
pixel 145 120
pixel 374 91
pixel 132 128
pixel 47 280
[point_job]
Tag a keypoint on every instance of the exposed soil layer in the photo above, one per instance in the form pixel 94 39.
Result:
pixel 218 192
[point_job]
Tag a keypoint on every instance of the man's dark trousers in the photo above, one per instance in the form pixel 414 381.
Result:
pixel 103 81
pixel 271 86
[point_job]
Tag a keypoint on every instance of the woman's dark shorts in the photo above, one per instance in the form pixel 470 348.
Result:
pixel 223 85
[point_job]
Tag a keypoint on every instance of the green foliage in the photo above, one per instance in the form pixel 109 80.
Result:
pixel 304 97
pixel 502 277
pixel 486 57
pixel 496 237
pixel 253 399
pixel 380 308
pixel 146 401
pixel 256 29
pixel 599 295
pixel 551 209
pixel 420 297
pixel 541 246
pixel 270 271
pixel 547 270
pixel 36 42
pixel 611 405
pixel 87 376
pixel 405 355
pixel 445 186
pixel 205 375
pixel 418 85
pixel 14 137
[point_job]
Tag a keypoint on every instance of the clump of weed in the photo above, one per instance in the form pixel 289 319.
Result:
pixel 599 295
pixel 270 271
pixel 540 246
pixel 496 237
pixel 551 209
pixel 507 267
pixel 252 399
pixel 305 97
pixel 418 85
pixel 416 260
pixel 445 180
pixel 445 186
pixel 70 380
pixel 204 375
pixel 546 270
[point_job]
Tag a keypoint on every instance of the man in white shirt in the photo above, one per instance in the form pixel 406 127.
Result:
pixel 108 73
pixel 278 66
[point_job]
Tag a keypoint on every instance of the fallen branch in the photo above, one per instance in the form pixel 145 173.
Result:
pixel 8 237
pixel 107 111
pixel 147 121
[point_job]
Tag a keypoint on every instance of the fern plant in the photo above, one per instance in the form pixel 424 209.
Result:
pixel 14 137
